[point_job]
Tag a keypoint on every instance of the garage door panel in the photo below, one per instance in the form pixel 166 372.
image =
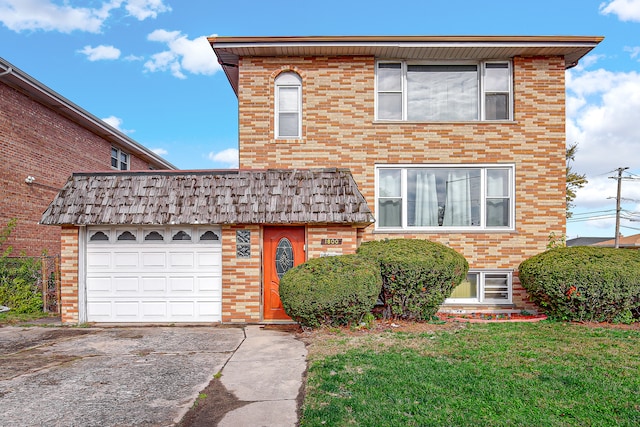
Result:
pixel 209 310
pixel 181 260
pixel 212 285
pixel 152 285
pixel 181 285
pixel 153 310
pixel 99 285
pixel 126 285
pixel 125 310
pixel 209 259
pixel 99 260
pixel 125 259
pixel 99 311
pixel 182 309
pixel 154 260
pixel 152 281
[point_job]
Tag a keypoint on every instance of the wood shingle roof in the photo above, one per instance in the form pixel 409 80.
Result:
pixel 296 196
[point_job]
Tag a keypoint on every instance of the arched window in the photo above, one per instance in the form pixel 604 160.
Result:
pixel 288 118
pixel 127 235
pixel 181 235
pixel 99 236
pixel 154 235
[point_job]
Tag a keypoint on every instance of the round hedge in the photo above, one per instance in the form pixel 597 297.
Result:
pixel 335 290
pixel 584 283
pixel 417 275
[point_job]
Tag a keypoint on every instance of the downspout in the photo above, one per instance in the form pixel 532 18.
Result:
pixel 7 71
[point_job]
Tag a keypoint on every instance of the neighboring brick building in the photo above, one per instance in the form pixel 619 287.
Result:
pixel 45 137
pixel 459 140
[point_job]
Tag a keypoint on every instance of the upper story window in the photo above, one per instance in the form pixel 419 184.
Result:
pixel 119 159
pixel 434 197
pixel 443 92
pixel 288 119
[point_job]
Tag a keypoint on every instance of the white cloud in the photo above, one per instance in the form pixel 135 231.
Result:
pixel 602 117
pixel 228 157
pixel 49 15
pixel 626 10
pixel 160 151
pixel 143 9
pixel 101 52
pixel 19 15
pixel 634 52
pixel 184 55
pixel 116 122
pixel 132 58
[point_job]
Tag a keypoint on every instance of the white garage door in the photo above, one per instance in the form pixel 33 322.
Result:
pixel 152 274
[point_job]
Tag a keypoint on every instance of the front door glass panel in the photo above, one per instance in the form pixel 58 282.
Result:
pixel 284 257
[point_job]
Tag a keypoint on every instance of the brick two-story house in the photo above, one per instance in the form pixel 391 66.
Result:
pixel 459 140
pixel 44 137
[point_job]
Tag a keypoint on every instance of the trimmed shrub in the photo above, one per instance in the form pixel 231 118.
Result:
pixel 584 283
pixel 417 275
pixel 336 290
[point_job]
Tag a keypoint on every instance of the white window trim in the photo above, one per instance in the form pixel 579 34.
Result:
pixel 119 160
pixel 277 87
pixel 481 285
pixel 481 91
pixel 482 228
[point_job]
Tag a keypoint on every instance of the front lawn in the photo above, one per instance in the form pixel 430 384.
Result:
pixel 509 374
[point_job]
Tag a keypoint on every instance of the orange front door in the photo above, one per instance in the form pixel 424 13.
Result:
pixel 283 249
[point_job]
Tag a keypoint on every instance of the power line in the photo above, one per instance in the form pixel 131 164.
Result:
pixel 594 218
pixel 593 212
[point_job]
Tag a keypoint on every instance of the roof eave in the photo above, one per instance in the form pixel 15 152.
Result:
pixel 230 49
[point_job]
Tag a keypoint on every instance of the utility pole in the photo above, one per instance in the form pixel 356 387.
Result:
pixel 618 208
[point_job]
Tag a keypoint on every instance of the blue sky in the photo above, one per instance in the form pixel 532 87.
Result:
pixel 145 67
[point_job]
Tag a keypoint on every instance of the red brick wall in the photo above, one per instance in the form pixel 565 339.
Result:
pixel 339 130
pixel 36 141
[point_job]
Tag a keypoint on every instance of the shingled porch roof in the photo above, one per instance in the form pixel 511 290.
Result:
pixel 309 196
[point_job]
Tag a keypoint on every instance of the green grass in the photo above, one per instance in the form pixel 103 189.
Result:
pixel 13 318
pixel 544 374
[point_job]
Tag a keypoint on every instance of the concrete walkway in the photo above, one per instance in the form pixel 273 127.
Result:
pixel 267 370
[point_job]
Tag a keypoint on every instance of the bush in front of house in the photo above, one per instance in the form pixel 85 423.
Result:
pixel 417 275
pixel 19 288
pixel 334 290
pixel 584 283
pixel 19 277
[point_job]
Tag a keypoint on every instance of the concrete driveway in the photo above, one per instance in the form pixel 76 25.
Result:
pixel 139 376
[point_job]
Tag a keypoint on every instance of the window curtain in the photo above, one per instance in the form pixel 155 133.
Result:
pixel 457 211
pixel 442 92
pixel 426 199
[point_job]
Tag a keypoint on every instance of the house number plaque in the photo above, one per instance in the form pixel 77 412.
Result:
pixel 331 242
